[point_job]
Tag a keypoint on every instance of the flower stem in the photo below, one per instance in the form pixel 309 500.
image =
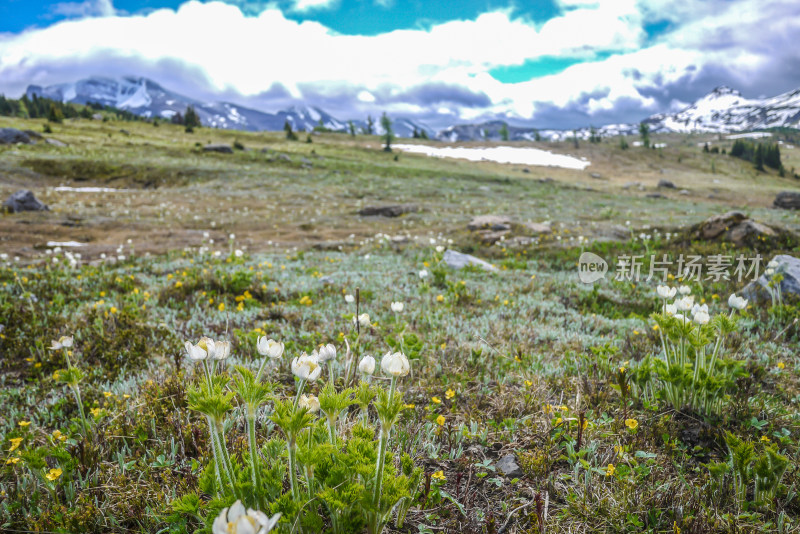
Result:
pixel 251 433
pixel 77 391
pixel 291 445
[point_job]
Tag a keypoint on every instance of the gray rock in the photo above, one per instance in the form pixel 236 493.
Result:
pixel 388 211
pixel 526 170
pixel 684 192
pixel 537 228
pixel 666 184
pixel 457 260
pixel 33 134
pixel 490 222
pixel 221 148
pixel 490 237
pixel 24 200
pixel 284 157
pixel 788 200
pixel 596 175
pixel 789 267
pixel 509 467
pixel 11 136
pixel 655 195
pixel 97 117
pixel 716 225
pixel 326 280
pixel 55 142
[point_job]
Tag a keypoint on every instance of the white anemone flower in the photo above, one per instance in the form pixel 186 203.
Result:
pixel 423 274
pixel 395 364
pixel 700 308
pixel 204 349
pixel 306 367
pixel 269 347
pixel 366 365
pixel 222 349
pixel 64 342
pixel 398 307
pixel 309 402
pixel 363 320
pixel 701 317
pixel 737 302
pixel 666 292
pixel 685 304
pixel 326 353
pixel 237 520
pixel 671 309
pixel 684 290
pixel 349 299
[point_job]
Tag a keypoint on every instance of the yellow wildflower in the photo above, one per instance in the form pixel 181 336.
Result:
pixel 14 444
pixel 610 470
pixel 221 306
pixel 440 420
pixel 631 423
pixel 24 424
pixel 53 474
pixel 440 298
pixel 450 394
pixel 12 461
pixel 438 475
pixel 436 400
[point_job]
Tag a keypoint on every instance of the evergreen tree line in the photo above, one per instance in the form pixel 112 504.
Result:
pixel 759 154
pixel 38 107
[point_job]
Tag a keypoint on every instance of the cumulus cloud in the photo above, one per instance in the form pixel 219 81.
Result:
pixel 441 73
pixel 312 5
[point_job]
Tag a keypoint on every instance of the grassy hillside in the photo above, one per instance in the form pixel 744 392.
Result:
pixel 571 381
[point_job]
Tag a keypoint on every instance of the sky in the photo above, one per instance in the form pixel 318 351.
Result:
pixel 541 63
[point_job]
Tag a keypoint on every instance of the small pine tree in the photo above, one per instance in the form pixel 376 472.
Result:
pixel 504 132
pixel 575 139
pixel 191 119
pixel 415 133
pixel 370 129
pixel 644 131
pixel 536 136
pixel 423 134
pixel 705 148
pixel 352 128
pixel 386 124
pixel 290 135
pixel 55 114
pixel 623 143
pixel 758 158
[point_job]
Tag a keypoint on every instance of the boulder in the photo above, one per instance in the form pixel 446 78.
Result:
pixel 788 200
pixel 11 136
pixel 490 237
pixel 221 148
pixel 666 184
pixel 457 260
pixel 490 222
pixel 716 225
pixel 388 211
pixel 23 200
pixel 508 466
pixel 788 267
pixel 735 227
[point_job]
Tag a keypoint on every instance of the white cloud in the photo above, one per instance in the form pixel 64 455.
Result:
pixel 247 55
pixel 88 8
pixel 311 5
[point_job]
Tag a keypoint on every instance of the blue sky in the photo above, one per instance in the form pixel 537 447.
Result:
pixel 548 63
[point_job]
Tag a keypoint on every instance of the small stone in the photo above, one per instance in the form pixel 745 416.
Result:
pixel 490 222
pixel 388 211
pixel 788 200
pixel 457 260
pixel 221 148
pixel 509 467
pixel 596 175
pixel 666 184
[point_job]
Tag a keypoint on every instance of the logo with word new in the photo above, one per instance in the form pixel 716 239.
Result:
pixel 591 268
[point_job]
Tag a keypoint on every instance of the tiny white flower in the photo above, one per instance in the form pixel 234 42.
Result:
pixel 684 290
pixel 349 299
pixel 367 365
pixel 423 273
pixel 269 347
pixel 769 272
pixel 64 342
pixel 232 236
pixel 397 307
pixel 439 248
pixel 737 302
pixel 395 364
pixel 238 253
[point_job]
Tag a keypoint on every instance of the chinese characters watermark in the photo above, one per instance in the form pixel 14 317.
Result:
pixel 635 268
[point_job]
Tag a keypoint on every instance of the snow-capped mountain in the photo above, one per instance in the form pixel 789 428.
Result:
pixel 147 98
pixel 726 110
pixel 720 111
